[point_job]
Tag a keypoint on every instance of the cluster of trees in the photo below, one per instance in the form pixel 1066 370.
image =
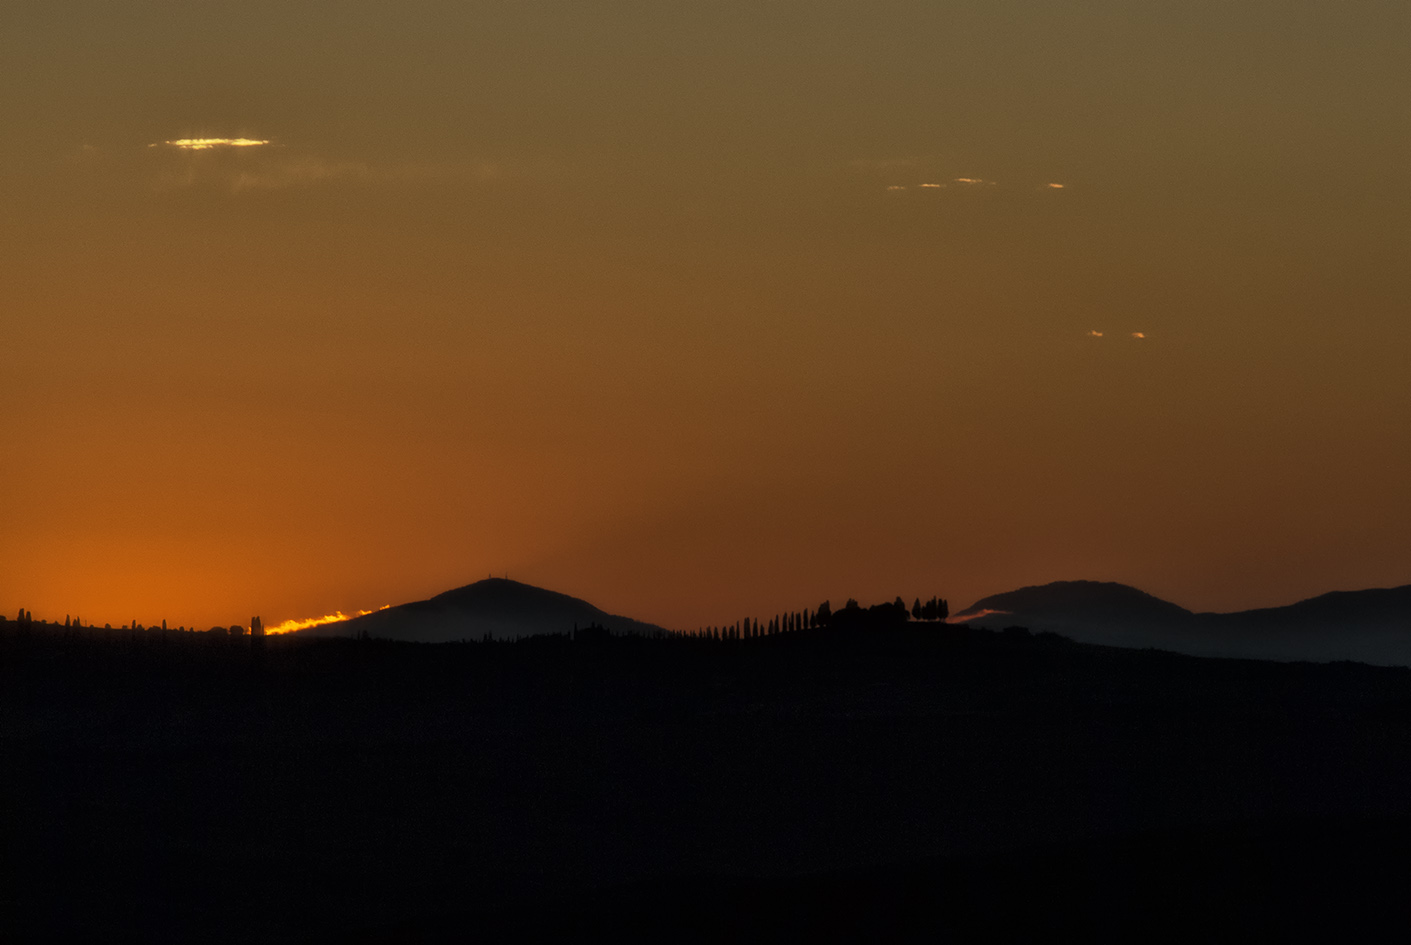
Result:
pixel 852 616
pixel 934 609
pixel 256 629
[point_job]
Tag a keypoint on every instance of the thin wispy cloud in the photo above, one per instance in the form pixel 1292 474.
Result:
pixel 928 174
pixel 1138 335
pixel 297 172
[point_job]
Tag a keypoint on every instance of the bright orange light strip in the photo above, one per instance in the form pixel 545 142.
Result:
pixel 289 626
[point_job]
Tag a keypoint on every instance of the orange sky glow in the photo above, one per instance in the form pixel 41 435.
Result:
pixel 669 309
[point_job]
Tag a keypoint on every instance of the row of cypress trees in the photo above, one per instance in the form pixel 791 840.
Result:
pixel 792 622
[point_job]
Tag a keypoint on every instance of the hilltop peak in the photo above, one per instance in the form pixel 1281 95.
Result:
pixel 494 606
pixel 1092 601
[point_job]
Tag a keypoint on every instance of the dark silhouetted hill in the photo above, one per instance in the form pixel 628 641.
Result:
pixel 1079 603
pixel 1370 626
pixel 504 609
pixel 1388 608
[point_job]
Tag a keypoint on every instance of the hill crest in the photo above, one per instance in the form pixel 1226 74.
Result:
pixel 497 607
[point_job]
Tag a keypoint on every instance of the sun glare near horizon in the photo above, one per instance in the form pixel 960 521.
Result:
pixel 289 626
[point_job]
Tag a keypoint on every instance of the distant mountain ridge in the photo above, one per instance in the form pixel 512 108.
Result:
pixel 1371 626
pixel 499 607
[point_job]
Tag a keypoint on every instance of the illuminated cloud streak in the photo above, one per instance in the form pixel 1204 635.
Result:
pixel 977 614
pixel 206 144
pixel 1138 334
pixel 1094 334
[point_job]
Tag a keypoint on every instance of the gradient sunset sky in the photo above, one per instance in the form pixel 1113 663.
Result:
pixel 700 309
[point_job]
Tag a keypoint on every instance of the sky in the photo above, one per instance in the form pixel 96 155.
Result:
pixel 700 310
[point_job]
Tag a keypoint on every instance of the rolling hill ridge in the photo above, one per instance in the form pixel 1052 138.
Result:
pixel 497 607
pixel 1371 626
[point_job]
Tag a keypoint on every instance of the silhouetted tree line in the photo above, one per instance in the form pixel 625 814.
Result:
pixel 852 617
pixel 74 627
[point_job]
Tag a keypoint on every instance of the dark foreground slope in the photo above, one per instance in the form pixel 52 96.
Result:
pixel 495 607
pixel 931 781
